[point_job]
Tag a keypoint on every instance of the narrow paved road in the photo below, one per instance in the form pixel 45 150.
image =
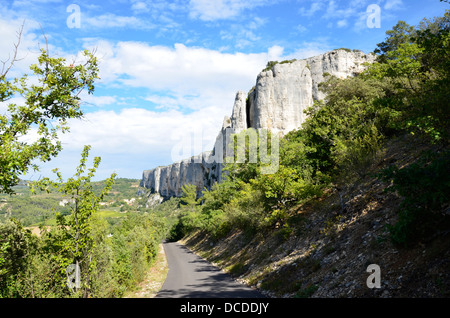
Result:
pixel 191 276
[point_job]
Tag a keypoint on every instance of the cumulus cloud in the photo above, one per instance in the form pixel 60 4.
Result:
pixel 342 23
pixel 244 34
pixel 211 76
pixel 138 130
pixel 139 7
pixel 309 49
pixel 393 4
pixel 90 100
pixel 110 20
pixel 210 10
pixel 315 7
pixel 135 139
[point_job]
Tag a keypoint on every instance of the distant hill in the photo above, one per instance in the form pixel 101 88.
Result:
pixel 40 208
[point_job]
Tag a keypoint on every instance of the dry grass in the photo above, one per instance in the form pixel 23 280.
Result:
pixel 154 279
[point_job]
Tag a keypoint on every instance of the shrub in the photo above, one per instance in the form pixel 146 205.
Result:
pixel 269 65
pixel 288 61
pixel 344 49
pixel 424 187
pixel 307 291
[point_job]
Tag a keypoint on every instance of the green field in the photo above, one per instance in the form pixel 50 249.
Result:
pixel 33 210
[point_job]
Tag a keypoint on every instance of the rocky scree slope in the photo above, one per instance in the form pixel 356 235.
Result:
pixel 329 249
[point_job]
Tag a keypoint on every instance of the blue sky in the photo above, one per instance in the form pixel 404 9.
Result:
pixel 170 69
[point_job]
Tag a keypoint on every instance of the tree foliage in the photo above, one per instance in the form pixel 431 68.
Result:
pixel 111 257
pixel 78 244
pixel 46 104
pixel 425 186
pixel 418 69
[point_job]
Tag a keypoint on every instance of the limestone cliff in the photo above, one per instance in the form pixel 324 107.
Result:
pixel 282 93
pixel 277 102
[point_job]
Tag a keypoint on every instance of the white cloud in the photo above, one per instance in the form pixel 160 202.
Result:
pixel 211 76
pixel 341 14
pixel 97 101
pixel 139 131
pixel 333 11
pixel 210 10
pixel 301 29
pixel 172 102
pixel 28 50
pixel 110 20
pixel 315 6
pixel 14 100
pixel 360 22
pixel 309 49
pixel 342 23
pixel 393 4
pixel 257 22
pixel 244 34
pixel 275 53
pixel 139 7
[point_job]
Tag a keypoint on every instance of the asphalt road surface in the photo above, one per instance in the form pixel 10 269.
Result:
pixel 191 276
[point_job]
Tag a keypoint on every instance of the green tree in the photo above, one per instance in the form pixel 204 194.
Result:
pixel 15 246
pixel 419 72
pixel 401 33
pixel 189 196
pixel 346 129
pixel 78 242
pixel 280 190
pixel 424 187
pixel 48 103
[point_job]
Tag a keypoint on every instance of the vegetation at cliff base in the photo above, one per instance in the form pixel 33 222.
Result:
pixel 406 91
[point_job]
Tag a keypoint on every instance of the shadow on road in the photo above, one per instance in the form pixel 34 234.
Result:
pixel 191 276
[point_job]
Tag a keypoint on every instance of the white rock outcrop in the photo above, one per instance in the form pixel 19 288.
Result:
pixel 239 114
pixel 200 171
pixel 283 93
pixel 277 102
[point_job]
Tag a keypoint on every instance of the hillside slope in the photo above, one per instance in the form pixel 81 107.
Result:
pixel 333 241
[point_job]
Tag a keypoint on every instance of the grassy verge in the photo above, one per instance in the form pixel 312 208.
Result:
pixel 154 280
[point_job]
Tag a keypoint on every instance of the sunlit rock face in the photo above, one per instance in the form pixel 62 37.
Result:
pixel 277 102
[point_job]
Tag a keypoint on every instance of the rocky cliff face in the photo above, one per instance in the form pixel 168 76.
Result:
pixel 277 102
pixel 282 93
pixel 199 170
